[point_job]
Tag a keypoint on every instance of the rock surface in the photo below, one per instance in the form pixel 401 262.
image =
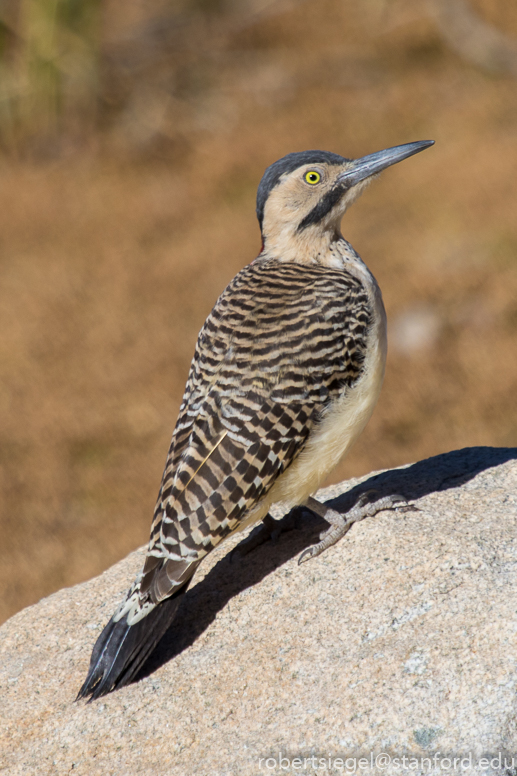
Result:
pixel 401 639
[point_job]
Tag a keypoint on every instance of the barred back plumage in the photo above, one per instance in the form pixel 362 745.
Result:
pixel 282 342
pixel 285 374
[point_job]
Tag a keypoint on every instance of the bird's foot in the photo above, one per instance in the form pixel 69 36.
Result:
pixel 270 530
pixel 340 524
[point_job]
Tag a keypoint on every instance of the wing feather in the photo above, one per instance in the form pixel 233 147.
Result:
pixel 281 342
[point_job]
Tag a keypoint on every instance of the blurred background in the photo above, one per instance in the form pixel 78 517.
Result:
pixel 132 138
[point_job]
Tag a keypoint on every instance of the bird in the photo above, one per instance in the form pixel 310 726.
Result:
pixel 286 372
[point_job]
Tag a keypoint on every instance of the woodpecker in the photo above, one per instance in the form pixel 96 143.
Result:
pixel 286 372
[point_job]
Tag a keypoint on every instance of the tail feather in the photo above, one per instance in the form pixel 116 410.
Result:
pixel 122 649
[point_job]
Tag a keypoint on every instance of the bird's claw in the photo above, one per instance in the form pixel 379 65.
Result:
pixel 306 555
pixel 401 504
pixel 341 523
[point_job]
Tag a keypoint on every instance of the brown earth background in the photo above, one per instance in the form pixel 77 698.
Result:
pixel 133 136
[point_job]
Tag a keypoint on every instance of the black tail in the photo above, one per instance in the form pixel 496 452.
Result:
pixel 122 649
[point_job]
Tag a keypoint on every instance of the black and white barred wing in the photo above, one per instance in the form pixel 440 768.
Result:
pixel 276 349
pixel 229 465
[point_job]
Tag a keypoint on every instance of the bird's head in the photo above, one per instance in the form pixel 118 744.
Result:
pixel 303 196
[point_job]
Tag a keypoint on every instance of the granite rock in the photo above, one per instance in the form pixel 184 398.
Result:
pixel 399 641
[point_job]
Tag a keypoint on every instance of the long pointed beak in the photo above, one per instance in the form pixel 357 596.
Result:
pixel 372 164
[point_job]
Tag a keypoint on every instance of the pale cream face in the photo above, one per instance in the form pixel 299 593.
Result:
pixel 294 198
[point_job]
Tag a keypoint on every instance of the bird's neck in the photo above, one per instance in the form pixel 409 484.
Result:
pixel 334 253
pixel 307 247
pixel 327 248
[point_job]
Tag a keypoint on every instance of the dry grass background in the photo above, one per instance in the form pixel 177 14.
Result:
pixel 125 211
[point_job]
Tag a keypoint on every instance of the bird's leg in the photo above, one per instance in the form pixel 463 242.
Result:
pixel 340 524
pixel 270 529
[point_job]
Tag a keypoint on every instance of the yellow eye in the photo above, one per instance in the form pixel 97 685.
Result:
pixel 312 177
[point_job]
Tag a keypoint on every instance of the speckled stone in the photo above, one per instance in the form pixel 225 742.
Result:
pixel 401 639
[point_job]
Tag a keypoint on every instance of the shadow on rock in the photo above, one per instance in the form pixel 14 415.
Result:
pixel 235 573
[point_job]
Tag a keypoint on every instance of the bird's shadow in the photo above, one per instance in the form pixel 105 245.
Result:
pixel 234 573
